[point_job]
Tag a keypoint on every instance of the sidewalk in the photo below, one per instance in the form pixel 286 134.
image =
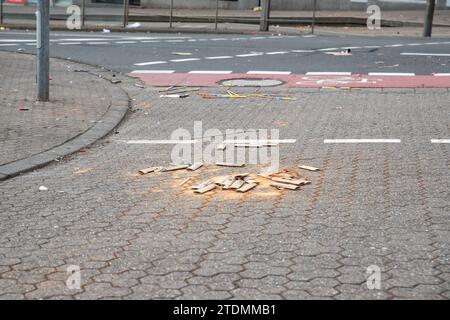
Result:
pixel 30 131
pixel 147 237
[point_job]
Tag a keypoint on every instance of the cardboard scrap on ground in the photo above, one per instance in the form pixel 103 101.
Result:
pixel 309 168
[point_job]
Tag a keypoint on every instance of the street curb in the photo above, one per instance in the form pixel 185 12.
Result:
pixel 110 120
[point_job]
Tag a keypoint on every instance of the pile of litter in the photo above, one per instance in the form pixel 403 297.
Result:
pixel 233 95
pixel 241 182
pixel 177 92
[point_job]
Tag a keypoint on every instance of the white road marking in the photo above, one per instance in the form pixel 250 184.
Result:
pixel 68 43
pixel 277 52
pixel 249 55
pixel 302 51
pixel 393 45
pixel 269 72
pixel 149 63
pixel 328 73
pixel 125 42
pixel 219 57
pixel 8 44
pixel 414 44
pixel 405 74
pixel 440 141
pixel 351 48
pixel 362 141
pixel 425 54
pixel 153 71
pixel 15 40
pixel 175 40
pixel 442 74
pixel 218 39
pixel 183 60
pixel 161 141
pixel 309 36
pixel 258 141
pixel 328 49
pixel 30 44
pixel 372 47
pixel 150 41
pixel 257 38
pixel 96 43
pixel 209 72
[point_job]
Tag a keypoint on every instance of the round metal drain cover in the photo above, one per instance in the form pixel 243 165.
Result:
pixel 253 82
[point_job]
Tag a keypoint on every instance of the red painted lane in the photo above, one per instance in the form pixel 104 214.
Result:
pixel 298 80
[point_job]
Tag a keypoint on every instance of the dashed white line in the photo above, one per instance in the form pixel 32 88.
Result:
pixel 302 51
pixel 149 63
pixel 277 52
pixel 96 43
pixel 175 40
pixel 425 54
pixel 184 60
pixel 125 42
pixel 446 141
pixel 249 55
pixel 362 141
pixel 404 74
pixel 219 57
pixel 269 72
pixel 328 49
pixel 153 71
pixel 8 44
pixel 150 41
pixel 209 72
pixel 441 74
pixel 68 43
pixel 393 45
pixel 328 73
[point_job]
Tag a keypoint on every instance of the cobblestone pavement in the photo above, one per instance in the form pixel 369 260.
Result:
pixel 145 237
pixel 77 101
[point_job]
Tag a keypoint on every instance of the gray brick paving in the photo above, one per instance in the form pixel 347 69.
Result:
pixel 144 237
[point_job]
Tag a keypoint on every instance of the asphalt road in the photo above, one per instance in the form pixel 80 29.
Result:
pixel 125 52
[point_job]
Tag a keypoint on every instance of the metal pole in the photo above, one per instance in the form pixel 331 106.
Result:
pixel 217 14
pixel 1 12
pixel 264 25
pixel 125 13
pixel 83 13
pixel 428 23
pixel 42 46
pixel 171 14
pixel 314 17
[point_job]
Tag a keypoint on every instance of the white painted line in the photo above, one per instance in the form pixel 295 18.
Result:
pixel 425 54
pixel 218 39
pixel 258 141
pixel 414 44
pixel 302 51
pixel 218 57
pixel 161 141
pixel 328 49
pixel 394 45
pixel 447 141
pixel 153 71
pixel 309 36
pixel 362 141
pixel 238 39
pixel 431 43
pixel 15 40
pixel 150 41
pixel 8 44
pixel 372 47
pixel 391 74
pixel 68 43
pixel 269 72
pixel 209 72
pixel 328 73
pixel 249 55
pixel 125 42
pixel 277 52
pixel 149 63
pixel 175 40
pixel 96 43
pixel 184 60
pixel 441 74
pixel 192 40
pixel 30 44
pixel 257 38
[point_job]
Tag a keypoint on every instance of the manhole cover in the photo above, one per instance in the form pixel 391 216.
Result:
pixel 245 82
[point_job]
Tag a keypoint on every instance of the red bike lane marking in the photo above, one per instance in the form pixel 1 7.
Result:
pixel 297 80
